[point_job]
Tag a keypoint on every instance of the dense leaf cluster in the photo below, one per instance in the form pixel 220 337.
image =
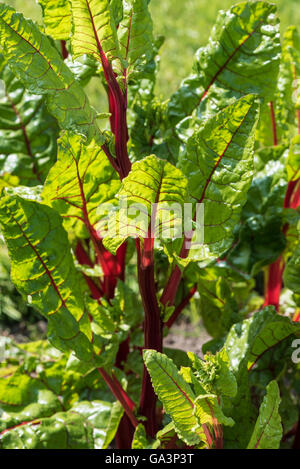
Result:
pixel 226 141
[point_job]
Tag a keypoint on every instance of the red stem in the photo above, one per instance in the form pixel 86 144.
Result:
pixel 120 395
pixel 118 103
pixel 153 338
pixel 84 259
pixel 274 283
pixel 274 128
pixel 64 50
pixel 291 200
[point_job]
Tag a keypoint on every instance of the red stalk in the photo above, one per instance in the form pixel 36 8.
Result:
pixel 274 283
pixel 152 334
pixel 274 128
pixel 120 395
pixel 291 200
pixel 124 435
pixel 170 290
pixel 64 50
pixel 119 106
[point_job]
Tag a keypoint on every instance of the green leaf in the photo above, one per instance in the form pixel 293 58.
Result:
pixel 208 411
pixel 39 388
pixel 242 56
pixel 285 98
pixel 33 58
pixel 152 187
pixel 94 31
pixel 292 270
pixel 261 240
pixel 174 393
pixel 249 340
pixel 27 133
pixel 42 267
pixel 246 342
pixel 80 181
pixel 135 34
pixel 217 304
pixel 83 426
pixel 57 18
pixel 268 430
pixel 84 68
pixel 293 160
pixel 218 161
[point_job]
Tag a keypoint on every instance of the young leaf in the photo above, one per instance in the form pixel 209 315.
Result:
pixel 57 18
pixel 242 57
pixel 80 181
pixel 174 393
pixel 28 132
pixel 34 59
pixel 140 439
pixel 214 374
pixel 42 267
pixel 267 433
pixel 218 160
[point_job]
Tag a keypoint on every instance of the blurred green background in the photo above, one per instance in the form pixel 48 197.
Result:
pixel 186 24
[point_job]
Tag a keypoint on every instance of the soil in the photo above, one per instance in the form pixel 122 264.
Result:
pixel 187 336
pixel 184 335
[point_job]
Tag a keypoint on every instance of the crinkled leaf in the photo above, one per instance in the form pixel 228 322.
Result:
pixel 217 304
pixel 174 393
pixel 218 161
pixel 94 30
pixel 249 340
pixel 152 187
pixel 57 18
pixel 293 160
pixel 260 238
pixel 38 64
pixel 242 56
pixel 42 267
pixel 268 430
pixel 285 98
pixel 84 426
pixel 135 34
pixel 80 181
pixel 209 412
pixel 37 383
pixel 245 344
pixel 291 273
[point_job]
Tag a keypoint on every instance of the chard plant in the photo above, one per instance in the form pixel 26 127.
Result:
pixel 117 221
